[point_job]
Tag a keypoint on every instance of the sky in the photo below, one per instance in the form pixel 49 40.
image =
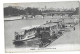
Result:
pixel 65 4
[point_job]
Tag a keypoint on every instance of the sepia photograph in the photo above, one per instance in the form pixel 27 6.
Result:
pixel 41 26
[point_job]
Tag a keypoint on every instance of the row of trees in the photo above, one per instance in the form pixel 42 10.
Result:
pixel 11 11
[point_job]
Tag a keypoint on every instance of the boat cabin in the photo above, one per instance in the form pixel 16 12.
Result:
pixel 45 30
pixel 26 33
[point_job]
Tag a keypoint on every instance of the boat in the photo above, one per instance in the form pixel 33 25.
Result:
pixel 45 33
pixel 26 33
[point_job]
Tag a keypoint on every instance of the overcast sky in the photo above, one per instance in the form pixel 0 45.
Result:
pixel 68 4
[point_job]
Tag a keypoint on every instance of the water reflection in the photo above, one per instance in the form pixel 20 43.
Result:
pixel 23 44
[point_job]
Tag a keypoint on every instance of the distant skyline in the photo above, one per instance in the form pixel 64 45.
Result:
pixel 66 4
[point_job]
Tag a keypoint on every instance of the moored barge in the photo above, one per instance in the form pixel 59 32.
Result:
pixel 45 33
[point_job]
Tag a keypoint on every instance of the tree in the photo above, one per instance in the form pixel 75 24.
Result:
pixel 76 11
pixel 11 11
pixel 32 11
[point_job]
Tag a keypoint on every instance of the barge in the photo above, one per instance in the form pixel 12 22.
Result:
pixel 44 34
